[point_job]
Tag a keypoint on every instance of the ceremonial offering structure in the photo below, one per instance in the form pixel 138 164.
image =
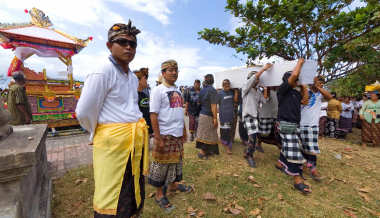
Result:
pixel 373 87
pixel 53 101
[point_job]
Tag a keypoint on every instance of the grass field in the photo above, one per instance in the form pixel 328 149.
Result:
pixel 351 187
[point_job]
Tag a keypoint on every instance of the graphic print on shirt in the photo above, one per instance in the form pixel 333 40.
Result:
pixel 312 99
pixel 144 102
pixel 175 99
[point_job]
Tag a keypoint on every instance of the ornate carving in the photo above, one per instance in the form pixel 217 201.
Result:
pixel 39 18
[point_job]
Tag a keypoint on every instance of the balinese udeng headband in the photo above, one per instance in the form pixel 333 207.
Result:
pixel 169 63
pixel 121 28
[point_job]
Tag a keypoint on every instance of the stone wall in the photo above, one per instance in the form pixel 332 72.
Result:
pixel 25 186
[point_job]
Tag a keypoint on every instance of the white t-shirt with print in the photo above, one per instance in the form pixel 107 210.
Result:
pixel 167 102
pixel 310 113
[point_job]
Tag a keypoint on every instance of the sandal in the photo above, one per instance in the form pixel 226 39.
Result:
pixel 180 187
pixel 184 188
pixel 302 188
pixel 165 204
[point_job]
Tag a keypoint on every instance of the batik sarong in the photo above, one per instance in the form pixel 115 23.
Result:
pixel 193 123
pixel 172 152
pixel 207 136
pixel 371 132
pixel 345 123
pixel 164 174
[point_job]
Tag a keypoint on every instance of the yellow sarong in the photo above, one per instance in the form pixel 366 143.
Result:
pixel 113 145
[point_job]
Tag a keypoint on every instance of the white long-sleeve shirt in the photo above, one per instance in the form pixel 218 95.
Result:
pixel 347 110
pixel 108 96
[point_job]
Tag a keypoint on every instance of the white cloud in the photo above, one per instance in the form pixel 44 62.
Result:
pixel 83 12
pixel 7 17
pixel 154 50
pixel 86 63
pixel 151 52
pixel 159 9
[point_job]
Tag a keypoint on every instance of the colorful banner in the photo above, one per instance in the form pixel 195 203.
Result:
pixel 23 53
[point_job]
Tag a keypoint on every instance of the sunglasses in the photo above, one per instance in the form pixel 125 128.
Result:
pixel 125 43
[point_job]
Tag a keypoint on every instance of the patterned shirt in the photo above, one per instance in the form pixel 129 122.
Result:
pixel 191 97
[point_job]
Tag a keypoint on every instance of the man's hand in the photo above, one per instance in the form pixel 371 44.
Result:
pixel 373 115
pixel 159 141
pixel 361 117
pixel 303 86
pixel 186 113
pixel 215 123
pixel 301 60
pixel 267 66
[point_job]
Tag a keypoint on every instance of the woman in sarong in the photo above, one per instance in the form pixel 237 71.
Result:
pixel 207 136
pixel 370 116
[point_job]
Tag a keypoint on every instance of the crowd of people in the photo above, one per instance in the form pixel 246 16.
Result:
pixel 123 117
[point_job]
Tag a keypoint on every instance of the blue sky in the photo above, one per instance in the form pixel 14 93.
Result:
pixel 169 31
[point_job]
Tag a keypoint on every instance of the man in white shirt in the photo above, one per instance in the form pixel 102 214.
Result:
pixel 108 109
pixel 167 118
pixel 309 125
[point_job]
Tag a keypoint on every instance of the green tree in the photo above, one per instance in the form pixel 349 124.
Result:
pixel 297 28
pixel 354 84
